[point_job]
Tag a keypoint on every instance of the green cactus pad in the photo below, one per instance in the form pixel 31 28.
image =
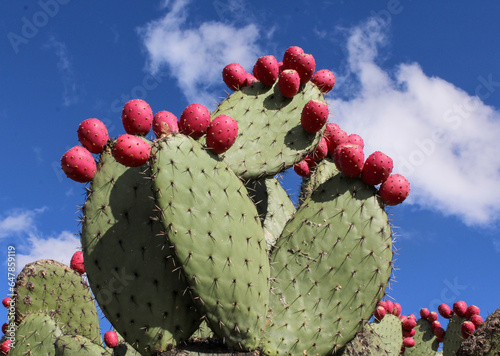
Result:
pixel 129 266
pixel 453 337
pixel 270 136
pixel 330 267
pixel 426 343
pixel 320 174
pixel 55 289
pixel 366 343
pixel 274 206
pixel 36 335
pixel 75 345
pixel 214 228
pixel 389 330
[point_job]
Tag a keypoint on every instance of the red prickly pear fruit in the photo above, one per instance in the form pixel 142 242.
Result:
pixel 5 347
pixel 290 53
pixel 304 64
pixel 439 332
pixel 76 263
pixel 389 306
pixel 6 302
pixel 412 316
pixel 445 311
pixel 78 164
pixel 335 138
pixel 409 333
pixel 424 313
pixel 93 135
pixel 280 67
pixel 472 310
pixel 403 350
pixel 477 320
pixel 250 79
pixel 266 70
pixel 131 151
pixel 351 160
pixel 5 327
pixel 194 120
pixel 137 117
pixel 382 304
pixel 379 313
pixel 111 339
pixel 221 134
pixel 234 75
pixel 311 162
pixel 324 80
pixel 460 308
pixel 467 329
pixel 302 168
pixel 289 83
pixel 320 151
pixel 314 116
pixel 402 318
pixel 164 123
pixel 435 324
pixel 432 317
pixel 396 310
pixel 356 140
pixel 377 168
pixel 409 323
pixel 408 342
pixel 394 190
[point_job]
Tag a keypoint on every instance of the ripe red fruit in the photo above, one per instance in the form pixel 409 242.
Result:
pixel 314 116
pixel 472 310
pixel 221 134
pixel 302 168
pixel 412 316
pixel 356 140
pixel 111 339
pixel 131 151
pixel 445 311
pixel 460 308
pixel 194 120
pixel 290 53
pixel 409 323
pixel 389 306
pixel 351 160
pixel 76 263
pixel 266 70
pixel 408 342
pixel 250 79
pixel 289 83
pixel 378 167
pixel 379 313
pixel 424 313
pixel 6 302
pixel 324 80
pixel 137 117
pixel 396 310
pixel 335 136
pixel 5 327
pixel 394 190
pixel 477 320
pixel 467 329
pixel 304 64
pixel 432 317
pixel 78 164
pixel 164 123
pixel 5 347
pixel 435 324
pixel 320 151
pixel 439 332
pixel 409 333
pixel 382 304
pixel 234 75
pixel 93 135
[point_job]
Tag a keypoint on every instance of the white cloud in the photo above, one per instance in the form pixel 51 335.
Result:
pixel 18 222
pixel 196 55
pixel 442 139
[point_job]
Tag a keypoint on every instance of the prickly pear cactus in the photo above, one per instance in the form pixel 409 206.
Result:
pixel 129 266
pixel 426 343
pixel 453 337
pixel 215 233
pixel 75 345
pixel 389 330
pixel 366 343
pixel 53 288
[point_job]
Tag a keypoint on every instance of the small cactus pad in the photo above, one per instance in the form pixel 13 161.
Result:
pixel 389 330
pixel 36 335
pixel 214 229
pixel 53 288
pixel 329 268
pixel 426 343
pixel 75 345
pixel 271 138
pixel 453 337
pixel 366 343
pixel 129 266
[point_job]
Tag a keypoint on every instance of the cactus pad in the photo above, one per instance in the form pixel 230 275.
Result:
pixel 75 345
pixel 453 337
pixel 36 335
pixel 389 330
pixel 426 343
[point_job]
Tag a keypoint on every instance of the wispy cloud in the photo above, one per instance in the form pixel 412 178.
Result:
pixel 196 54
pixel 443 139
pixel 18 221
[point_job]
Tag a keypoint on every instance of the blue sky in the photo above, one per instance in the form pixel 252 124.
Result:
pixel 419 81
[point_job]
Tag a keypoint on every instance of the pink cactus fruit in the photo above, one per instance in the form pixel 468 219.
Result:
pixel 477 320
pixel 194 120
pixel 409 323
pixel 131 151
pixel 314 116
pixel 320 151
pixel 289 83
pixel 234 75
pixel 137 117
pixel 250 79
pixel 78 164
pixel 111 339
pixel 460 308
pixel 380 313
pixel 351 160
pixel 412 316
pixel 6 302
pixel 164 123
pixel 396 310
pixel 76 263
pixel 467 329
pixel 335 136
pixel 432 317
pixel 324 80
pixel 377 168
pixel 280 67
pixel 409 333
pixel 445 310
pixel 221 134
pixel 394 190
pixel 93 135
pixel 408 342
pixel 471 310
pixel 290 53
pixel 304 64
pixel 389 306
pixel 5 327
pixel 435 324
pixel 424 313
pixel 382 304
pixel 356 140
pixel 5 347
pixel 311 162
pixel 266 70
pixel 302 168
pixel 440 333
